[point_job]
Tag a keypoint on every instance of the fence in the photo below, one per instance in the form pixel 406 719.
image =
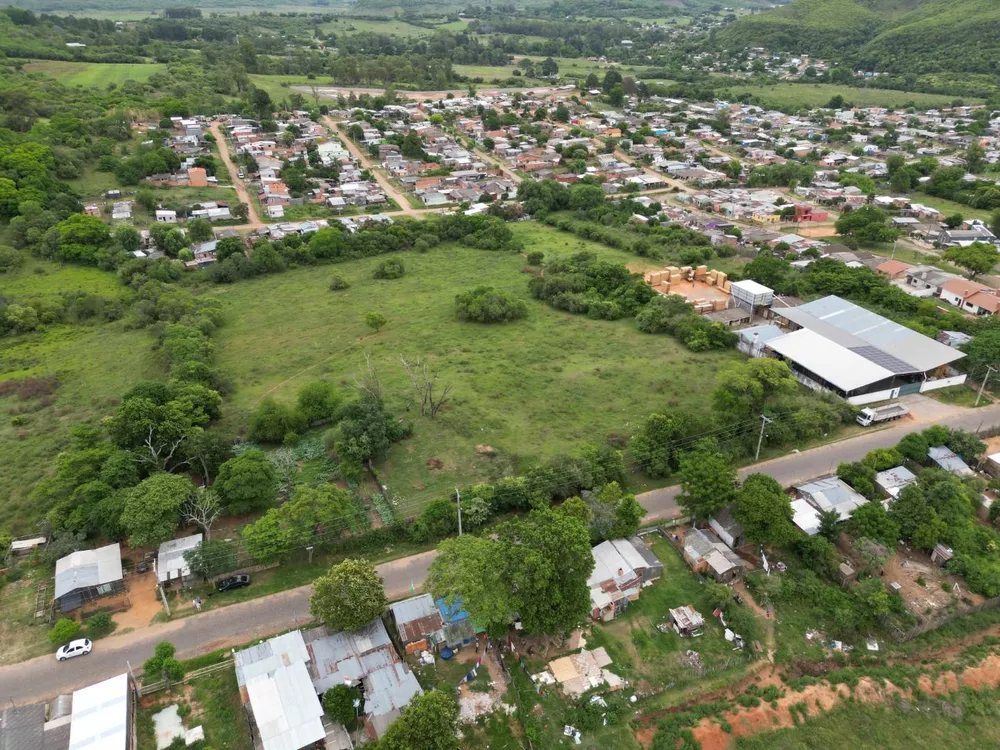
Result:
pixel 925 627
pixel 154 687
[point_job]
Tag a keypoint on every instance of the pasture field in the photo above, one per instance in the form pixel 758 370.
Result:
pixel 94 74
pixel 92 366
pixel 542 386
pixel 278 86
pixel 818 94
pixel 347 25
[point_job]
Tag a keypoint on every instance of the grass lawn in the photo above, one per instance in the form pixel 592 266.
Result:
pixel 818 94
pixel 959 395
pixel 95 74
pixel 278 86
pixel 950 208
pixel 649 658
pixel 539 387
pixel 22 636
pixel 93 365
pixel 971 721
pixel 392 27
pixel 214 702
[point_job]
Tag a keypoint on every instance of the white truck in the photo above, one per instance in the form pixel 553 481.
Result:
pixel 881 414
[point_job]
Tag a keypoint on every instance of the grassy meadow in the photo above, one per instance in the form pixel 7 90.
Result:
pixel 818 94
pixel 94 74
pixel 541 386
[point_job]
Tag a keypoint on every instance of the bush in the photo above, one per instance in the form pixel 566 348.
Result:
pixel 272 421
pixel 100 625
pixel 390 268
pixel 484 304
pixel 64 631
pixel 337 283
pixel 535 258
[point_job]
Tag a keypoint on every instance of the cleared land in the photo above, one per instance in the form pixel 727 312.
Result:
pixel 93 365
pixel 95 74
pixel 818 94
pixel 542 386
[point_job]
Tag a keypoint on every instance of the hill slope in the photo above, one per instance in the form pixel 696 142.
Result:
pixel 906 36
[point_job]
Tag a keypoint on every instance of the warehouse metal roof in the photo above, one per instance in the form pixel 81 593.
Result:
pixel 100 716
pixel 86 568
pixel 285 708
pixel 859 327
pixel 829 360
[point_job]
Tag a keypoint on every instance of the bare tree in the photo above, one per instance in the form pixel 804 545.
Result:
pixel 369 382
pixel 286 470
pixel 203 509
pixel 423 382
pixel 159 452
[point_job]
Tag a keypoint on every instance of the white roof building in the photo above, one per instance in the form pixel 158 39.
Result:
pixel 100 719
pixel 831 493
pixel 170 564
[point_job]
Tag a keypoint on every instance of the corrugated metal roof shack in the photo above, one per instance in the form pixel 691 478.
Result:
pixel 88 575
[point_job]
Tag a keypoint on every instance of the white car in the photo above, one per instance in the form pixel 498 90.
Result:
pixel 75 648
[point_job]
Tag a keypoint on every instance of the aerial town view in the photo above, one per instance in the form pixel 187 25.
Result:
pixel 422 375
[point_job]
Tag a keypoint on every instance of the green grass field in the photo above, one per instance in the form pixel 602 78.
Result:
pixel 539 387
pixel 279 86
pixel 94 74
pixel 818 94
pixel 93 366
pixel 968 720
pixel 392 27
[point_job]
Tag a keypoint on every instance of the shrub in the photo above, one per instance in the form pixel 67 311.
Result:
pixel 64 631
pixel 100 625
pixel 484 304
pixel 337 283
pixel 272 421
pixel 535 258
pixel 375 320
pixel 390 268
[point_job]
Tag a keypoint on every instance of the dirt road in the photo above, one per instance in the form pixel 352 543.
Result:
pixel 380 177
pixel 254 221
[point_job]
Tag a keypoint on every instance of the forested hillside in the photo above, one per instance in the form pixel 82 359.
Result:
pixel 903 36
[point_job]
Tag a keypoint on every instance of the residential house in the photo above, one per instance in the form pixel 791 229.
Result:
pixel 728 528
pixel 707 555
pixel 166 216
pixel 621 567
pixel 88 575
pixel 892 269
pixel 171 565
pixel 946 459
pixel 971 297
pixel 418 623
pixel 892 481
pixel 831 494
pixel 103 716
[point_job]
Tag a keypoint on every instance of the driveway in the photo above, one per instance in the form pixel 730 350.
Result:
pixel 43 678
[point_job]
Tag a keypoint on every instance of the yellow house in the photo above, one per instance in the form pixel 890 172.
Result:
pixel 764 219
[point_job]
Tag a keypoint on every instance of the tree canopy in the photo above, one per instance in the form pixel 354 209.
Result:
pixel 349 596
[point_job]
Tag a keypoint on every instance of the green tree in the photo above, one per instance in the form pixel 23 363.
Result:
pixel 438 519
pixel 162 665
pixel 375 320
pixel 212 558
pixel 744 388
pixel 914 446
pixel 829 525
pixel 127 237
pixel 977 258
pixel 549 67
pixel 469 568
pixel 708 481
pixel 995 222
pixel 975 158
pixel 764 511
pixel 152 508
pixel 871 521
pixel 200 230
pixel 318 402
pixel 246 483
pixel 873 598
pixel 429 722
pixel 865 224
pixel 413 147
pixel 389 268
pixel 272 421
pixel 64 631
pixel 81 238
pixel 338 703
pixel 484 304
pixel 615 514
pixel 349 596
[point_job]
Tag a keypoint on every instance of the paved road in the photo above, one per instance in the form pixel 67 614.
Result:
pixel 43 678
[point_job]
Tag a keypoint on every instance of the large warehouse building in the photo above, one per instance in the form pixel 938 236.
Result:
pixel 837 346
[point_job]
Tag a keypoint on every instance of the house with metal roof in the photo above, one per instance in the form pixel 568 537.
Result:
pixel 946 459
pixel 707 555
pixel 835 345
pixel 727 527
pixel 87 575
pixel 283 710
pixel 459 629
pixel 103 716
pixel 892 481
pixel 170 564
pixel 418 619
pixel 621 567
pixel 805 516
pixel 831 493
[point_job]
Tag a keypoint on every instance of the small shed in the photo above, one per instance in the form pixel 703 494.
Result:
pixel 728 528
pixel 88 575
pixel 730 317
pixel 418 620
pixel 949 461
pixel 687 620
pixel 805 517
pixel 25 545
pixel 892 481
pixel 941 554
pixel 170 564
pixel 992 465
pixel 750 295
pixel 459 629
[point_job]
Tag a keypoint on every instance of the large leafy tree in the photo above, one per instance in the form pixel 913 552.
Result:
pixel 470 568
pixel 318 402
pixel 983 350
pixel 350 596
pixel 246 482
pixel 744 388
pixel 764 510
pixel 653 448
pixel 977 258
pixel 614 513
pixel 708 481
pixel 152 508
pixel 429 722
pixel 871 521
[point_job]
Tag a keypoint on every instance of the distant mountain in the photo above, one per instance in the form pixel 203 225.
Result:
pixel 901 36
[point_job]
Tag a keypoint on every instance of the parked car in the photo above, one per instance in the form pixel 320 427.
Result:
pixel 233 582
pixel 80 647
pixel 240 174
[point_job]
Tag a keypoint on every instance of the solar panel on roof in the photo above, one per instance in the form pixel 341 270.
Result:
pixel 884 359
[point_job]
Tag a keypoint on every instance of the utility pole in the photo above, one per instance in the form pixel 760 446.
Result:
pixel 989 369
pixel 764 421
pixel 459 496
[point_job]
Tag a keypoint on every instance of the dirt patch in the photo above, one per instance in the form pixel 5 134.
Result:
pixel 909 567
pixel 820 231
pixel 435 464
pixel 145 602
pixel 486 450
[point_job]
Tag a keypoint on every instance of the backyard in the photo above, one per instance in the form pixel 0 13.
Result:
pixel 542 386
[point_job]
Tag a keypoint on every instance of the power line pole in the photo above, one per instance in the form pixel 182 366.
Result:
pixel 764 421
pixel 979 395
pixel 459 496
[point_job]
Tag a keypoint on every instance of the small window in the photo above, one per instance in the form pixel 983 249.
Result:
pixel 104 588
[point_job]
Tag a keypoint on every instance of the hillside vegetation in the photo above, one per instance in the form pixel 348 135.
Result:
pixel 905 36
